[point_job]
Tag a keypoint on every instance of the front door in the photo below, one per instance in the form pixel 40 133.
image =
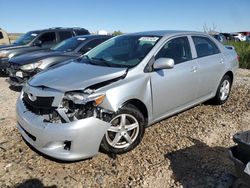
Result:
pixel 176 88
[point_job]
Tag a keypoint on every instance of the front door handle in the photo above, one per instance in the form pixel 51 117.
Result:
pixel 194 69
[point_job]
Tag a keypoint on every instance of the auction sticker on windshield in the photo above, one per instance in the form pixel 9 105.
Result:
pixel 34 34
pixel 149 39
pixel 81 38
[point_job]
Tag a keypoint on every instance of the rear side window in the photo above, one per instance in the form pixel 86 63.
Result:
pixel 81 32
pixel 1 35
pixel 64 35
pixel 204 46
pixel 177 49
pixel 48 38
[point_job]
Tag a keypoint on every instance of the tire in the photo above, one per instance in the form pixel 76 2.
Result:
pixel 223 91
pixel 126 131
pixel 238 183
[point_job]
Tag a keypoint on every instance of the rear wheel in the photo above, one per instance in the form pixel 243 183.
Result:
pixel 223 90
pixel 126 131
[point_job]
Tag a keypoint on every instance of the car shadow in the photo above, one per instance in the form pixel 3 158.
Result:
pixel 51 158
pixel 15 88
pixel 3 74
pixel 33 183
pixel 201 166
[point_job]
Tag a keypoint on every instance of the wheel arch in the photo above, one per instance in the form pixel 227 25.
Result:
pixel 140 105
pixel 230 74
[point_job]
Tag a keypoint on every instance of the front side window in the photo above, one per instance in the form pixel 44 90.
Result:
pixel 204 46
pixel 1 35
pixel 177 49
pixel 26 38
pixel 122 51
pixel 48 38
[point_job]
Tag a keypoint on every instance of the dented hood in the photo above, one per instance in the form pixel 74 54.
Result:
pixel 75 76
pixel 33 57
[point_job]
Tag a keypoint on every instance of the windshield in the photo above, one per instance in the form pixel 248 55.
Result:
pixel 26 38
pixel 70 44
pixel 122 51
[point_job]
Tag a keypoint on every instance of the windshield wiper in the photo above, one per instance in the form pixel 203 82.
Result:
pixel 104 61
pixel 87 59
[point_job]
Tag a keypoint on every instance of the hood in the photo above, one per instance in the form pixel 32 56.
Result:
pixel 75 76
pixel 33 57
pixel 9 46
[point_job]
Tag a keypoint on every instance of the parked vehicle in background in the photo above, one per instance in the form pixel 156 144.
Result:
pixel 107 98
pixel 4 37
pixel 242 37
pixel 229 37
pixel 221 38
pixel 36 40
pixel 22 67
pixel 224 37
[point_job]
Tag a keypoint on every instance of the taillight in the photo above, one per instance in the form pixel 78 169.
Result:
pixel 238 57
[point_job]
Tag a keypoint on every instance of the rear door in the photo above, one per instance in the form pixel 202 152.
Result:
pixel 211 65
pixel 176 88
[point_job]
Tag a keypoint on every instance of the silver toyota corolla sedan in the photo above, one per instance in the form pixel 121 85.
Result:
pixel 106 99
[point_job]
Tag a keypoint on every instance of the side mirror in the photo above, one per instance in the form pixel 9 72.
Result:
pixel 38 43
pixel 163 63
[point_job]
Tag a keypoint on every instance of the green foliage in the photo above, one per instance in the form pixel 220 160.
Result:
pixel 243 50
pixel 115 33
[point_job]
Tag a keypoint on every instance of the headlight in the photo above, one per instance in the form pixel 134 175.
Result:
pixel 11 55
pixel 83 98
pixel 3 54
pixel 32 66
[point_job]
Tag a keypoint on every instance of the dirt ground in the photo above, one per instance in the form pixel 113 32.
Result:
pixel 186 150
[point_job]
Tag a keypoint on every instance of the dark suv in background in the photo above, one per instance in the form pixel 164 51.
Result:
pixel 36 40
pixel 23 67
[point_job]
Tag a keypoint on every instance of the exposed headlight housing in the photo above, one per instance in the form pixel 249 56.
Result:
pixel 84 98
pixel 4 54
pixel 32 66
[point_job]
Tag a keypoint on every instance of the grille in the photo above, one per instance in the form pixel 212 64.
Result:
pixel 14 66
pixel 40 106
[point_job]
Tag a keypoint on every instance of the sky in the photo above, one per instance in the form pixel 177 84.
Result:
pixel 127 15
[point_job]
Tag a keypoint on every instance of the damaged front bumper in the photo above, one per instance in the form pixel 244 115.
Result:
pixel 64 141
pixel 17 77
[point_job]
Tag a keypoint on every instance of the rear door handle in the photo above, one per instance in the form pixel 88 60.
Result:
pixel 221 61
pixel 194 69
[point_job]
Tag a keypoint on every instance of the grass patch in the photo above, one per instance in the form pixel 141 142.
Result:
pixel 243 50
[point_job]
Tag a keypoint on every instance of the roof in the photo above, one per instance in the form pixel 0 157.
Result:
pixel 59 28
pixel 93 36
pixel 166 32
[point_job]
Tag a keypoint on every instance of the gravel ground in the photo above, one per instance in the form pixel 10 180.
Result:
pixel 186 150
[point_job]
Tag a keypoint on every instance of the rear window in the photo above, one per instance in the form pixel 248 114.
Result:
pixel 64 35
pixel 1 35
pixel 204 46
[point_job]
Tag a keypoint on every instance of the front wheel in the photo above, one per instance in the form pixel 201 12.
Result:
pixel 223 90
pixel 126 131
